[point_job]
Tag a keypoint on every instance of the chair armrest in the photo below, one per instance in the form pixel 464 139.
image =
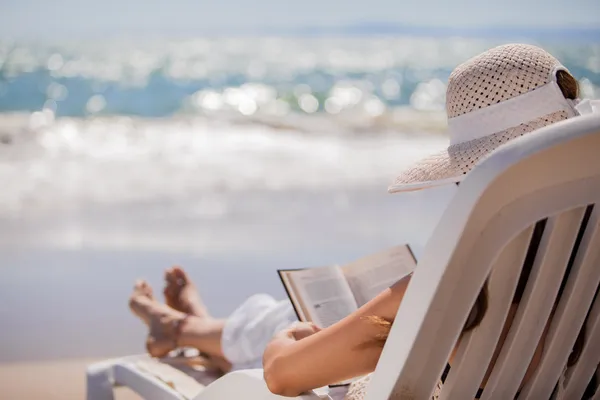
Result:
pixel 249 384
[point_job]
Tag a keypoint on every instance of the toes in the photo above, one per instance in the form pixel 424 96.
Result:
pixel 180 275
pixel 170 275
pixel 138 285
pixel 176 276
pixel 147 289
pixel 170 282
pixel 170 292
pixel 142 287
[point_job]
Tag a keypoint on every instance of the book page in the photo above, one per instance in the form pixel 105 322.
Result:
pixel 324 294
pixel 373 274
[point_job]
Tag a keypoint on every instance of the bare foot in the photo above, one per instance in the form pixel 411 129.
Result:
pixel 141 296
pixel 162 320
pixel 181 293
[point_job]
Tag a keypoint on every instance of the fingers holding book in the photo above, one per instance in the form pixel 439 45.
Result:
pixel 301 330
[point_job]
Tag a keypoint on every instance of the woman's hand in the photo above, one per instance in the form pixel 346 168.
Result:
pixel 294 332
pixel 301 330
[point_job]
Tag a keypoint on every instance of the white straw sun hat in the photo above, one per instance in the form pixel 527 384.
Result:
pixel 501 94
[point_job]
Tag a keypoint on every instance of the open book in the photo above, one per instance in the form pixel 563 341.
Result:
pixel 325 295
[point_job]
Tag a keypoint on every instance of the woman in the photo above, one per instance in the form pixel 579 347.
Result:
pixel 499 95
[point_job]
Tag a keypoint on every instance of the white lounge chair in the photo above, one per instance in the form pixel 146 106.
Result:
pixel 485 232
pixel 150 378
pixel 159 380
pixel 555 174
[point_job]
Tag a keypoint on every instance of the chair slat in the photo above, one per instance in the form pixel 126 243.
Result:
pixel 570 313
pixel 597 393
pixel 579 375
pixel 536 304
pixel 477 347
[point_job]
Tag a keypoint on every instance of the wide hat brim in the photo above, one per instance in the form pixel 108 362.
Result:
pixel 453 164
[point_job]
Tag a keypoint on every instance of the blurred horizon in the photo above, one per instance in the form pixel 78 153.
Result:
pixel 88 18
pixel 581 34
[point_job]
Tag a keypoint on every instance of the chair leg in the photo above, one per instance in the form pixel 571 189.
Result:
pixel 100 382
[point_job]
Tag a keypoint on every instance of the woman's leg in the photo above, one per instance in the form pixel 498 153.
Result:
pixel 182 295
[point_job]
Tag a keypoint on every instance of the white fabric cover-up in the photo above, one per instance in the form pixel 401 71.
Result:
pixel 251 326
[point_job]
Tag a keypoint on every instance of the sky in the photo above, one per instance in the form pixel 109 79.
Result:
pixel 43 18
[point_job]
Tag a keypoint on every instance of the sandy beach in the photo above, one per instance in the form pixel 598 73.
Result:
pixel 50 380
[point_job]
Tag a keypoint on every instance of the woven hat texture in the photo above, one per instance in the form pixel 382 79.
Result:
pixel 497 75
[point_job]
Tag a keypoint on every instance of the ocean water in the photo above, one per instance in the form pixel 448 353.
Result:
pixel 122 121
pixel 231 156
pixel 253 77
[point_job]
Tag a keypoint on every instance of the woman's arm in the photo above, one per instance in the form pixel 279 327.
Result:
pixel 333 354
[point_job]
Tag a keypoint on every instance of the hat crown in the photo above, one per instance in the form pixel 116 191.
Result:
pixel 497 75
